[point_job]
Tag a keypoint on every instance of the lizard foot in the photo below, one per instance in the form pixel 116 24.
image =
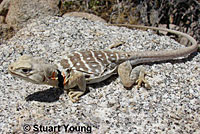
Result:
pixel 75 95
pixel 141 79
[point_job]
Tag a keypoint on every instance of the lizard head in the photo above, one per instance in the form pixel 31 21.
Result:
pixel 32 70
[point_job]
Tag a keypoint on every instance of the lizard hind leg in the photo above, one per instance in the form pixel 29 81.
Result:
pixel 131 76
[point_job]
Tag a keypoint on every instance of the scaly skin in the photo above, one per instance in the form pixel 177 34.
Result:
pixel 81 68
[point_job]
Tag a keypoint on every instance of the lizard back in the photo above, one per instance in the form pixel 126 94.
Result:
pixel 95 65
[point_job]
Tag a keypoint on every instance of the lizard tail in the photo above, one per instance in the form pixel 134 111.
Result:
pixel 151 56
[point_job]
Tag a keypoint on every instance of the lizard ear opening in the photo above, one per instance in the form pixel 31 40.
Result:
pixel 49 69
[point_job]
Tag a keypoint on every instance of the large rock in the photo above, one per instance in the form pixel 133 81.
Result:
pixel 4 6
pixel 21 11
pixel 88 16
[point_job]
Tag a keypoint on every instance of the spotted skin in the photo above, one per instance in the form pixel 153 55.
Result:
pixel 93 63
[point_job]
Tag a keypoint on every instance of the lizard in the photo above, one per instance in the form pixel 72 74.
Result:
pixel 80 68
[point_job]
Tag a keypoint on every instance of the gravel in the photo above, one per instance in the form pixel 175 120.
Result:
pixel 172 105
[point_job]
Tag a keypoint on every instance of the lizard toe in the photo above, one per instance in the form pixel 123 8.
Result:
pixel 75 95
pixel 141 79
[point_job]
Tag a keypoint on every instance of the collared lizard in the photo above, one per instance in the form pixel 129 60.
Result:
pixel 92 66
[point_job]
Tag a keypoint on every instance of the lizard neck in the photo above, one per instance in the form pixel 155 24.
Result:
pixel 61 79
pixel 56 78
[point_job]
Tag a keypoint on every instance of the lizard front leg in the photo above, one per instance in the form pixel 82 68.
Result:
pixel 131 76
pixel 76 79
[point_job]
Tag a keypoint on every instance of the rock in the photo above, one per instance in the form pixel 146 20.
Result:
pixel 89 16
pixel 2 19
pixel 6 32
pixel 184 41
pixel 21 11
pixel 175 86
pixel 4 7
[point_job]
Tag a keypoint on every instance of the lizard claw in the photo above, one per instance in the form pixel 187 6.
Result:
pixel 75 95
pixel 141 79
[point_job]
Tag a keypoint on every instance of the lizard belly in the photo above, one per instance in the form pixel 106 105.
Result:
pixel 98 79
pixel 101 77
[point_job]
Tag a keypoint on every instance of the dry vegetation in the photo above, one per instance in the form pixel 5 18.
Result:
pixel 184 14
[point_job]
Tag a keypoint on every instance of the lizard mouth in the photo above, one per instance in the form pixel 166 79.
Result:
pixel 15 74
pixel 12 72
pixel 22 77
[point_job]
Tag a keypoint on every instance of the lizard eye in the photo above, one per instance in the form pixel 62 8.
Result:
pixel 26 70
